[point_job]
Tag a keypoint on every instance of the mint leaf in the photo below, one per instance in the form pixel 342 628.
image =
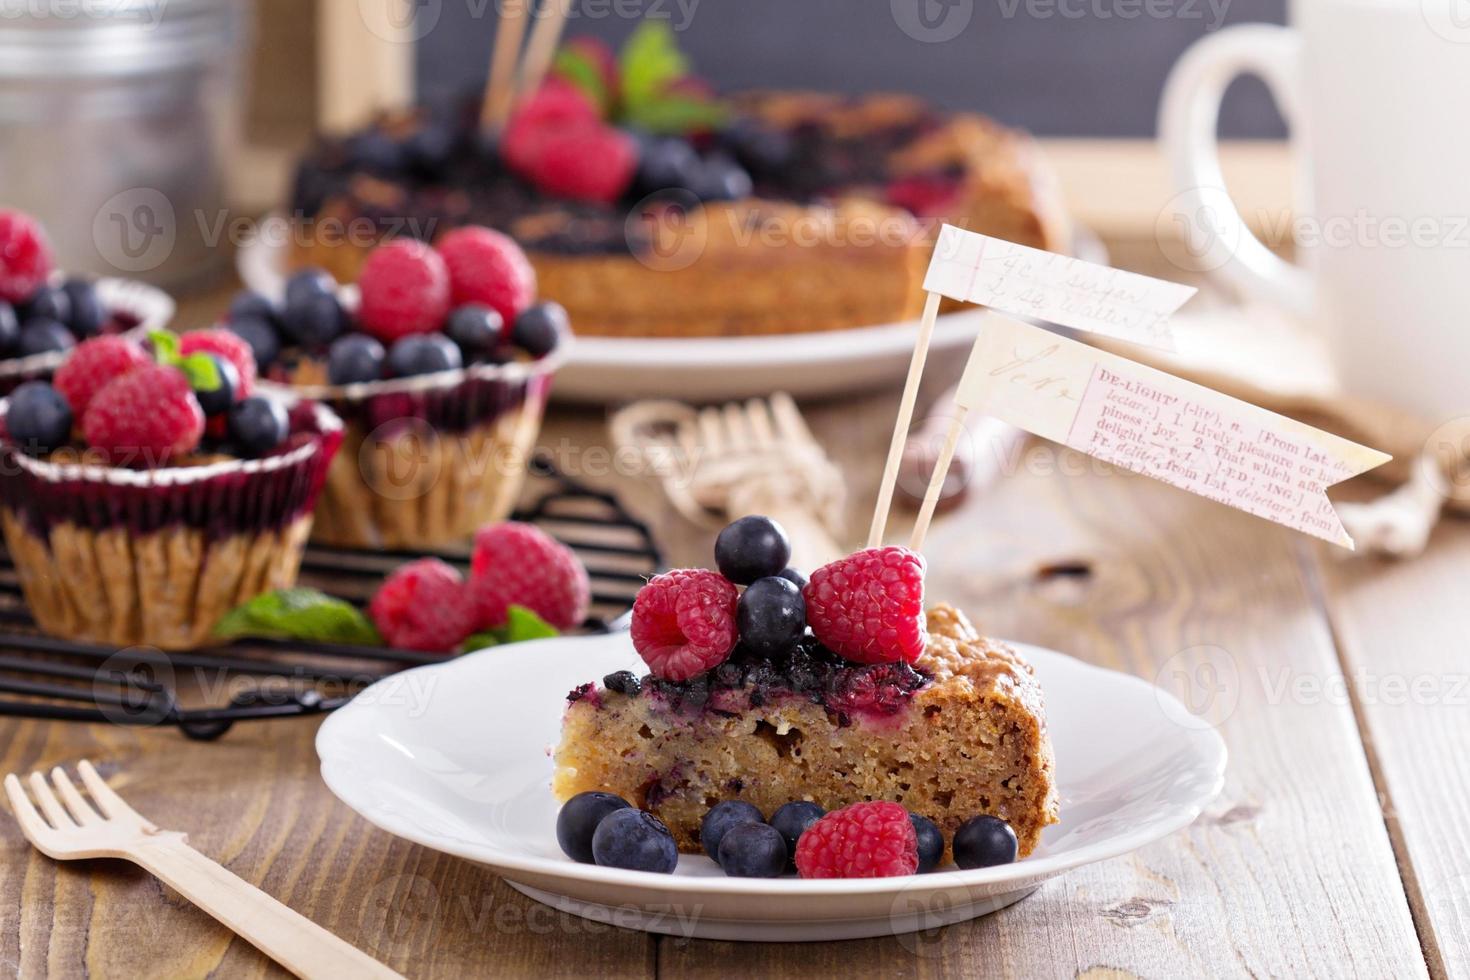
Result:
pixel 649 61
pixel 480 641
pixel 165 346
pixel 672 115
pixel 202 370
pixel 299 614
pixel 522 624
pixel 575 67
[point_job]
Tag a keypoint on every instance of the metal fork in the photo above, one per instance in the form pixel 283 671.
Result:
pixel 72 829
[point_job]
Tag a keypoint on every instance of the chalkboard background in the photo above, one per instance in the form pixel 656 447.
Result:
pixel 1057 67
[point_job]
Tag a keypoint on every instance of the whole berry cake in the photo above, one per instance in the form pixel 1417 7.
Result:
pixel 440 368
pixel 836 691
pixel 146 491
pixel 44 314
pixel 650 208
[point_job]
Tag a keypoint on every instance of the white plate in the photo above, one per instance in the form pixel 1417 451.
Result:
pixel 455 756
pixel 615 369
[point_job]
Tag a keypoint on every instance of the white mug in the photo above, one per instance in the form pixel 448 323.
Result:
pixel 1373 92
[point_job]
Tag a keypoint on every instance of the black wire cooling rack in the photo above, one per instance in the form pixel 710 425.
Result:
pixel 204 692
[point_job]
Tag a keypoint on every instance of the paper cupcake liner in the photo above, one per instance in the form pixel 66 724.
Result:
pixel 428 460
pixel 139 306
pixel 157 556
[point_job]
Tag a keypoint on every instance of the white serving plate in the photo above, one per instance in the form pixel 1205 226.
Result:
pixel 456 756
pixel 604 370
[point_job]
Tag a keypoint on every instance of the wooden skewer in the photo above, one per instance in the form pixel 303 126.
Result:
pixel 936 480
pixel 905 417
pixel 545 38
pixel 499 87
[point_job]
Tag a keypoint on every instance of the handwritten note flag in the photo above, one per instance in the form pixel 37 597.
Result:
pixel 1130 415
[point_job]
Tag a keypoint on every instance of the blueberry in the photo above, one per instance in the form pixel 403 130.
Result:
pixel 753 850
pixel 760 148
pixel 983 842
pixel 667 164
pixel 376 153
pixel 9 328
pixel 355 358
pixel 423 353
pixel 39 419
pixel 476 329
pixel 309 282
pixel 721 179
pixel 258 425
pixel 794 577
pixel 87 312
pixel 48 303
pixel 539 329
pixel 217 400
pixel 248 304
pixel 578 820
pixel 624 682
pixel 313 319
pixel 635 841
pixel 43 336
pixel 751 548
pixel 721 817
pixel 792 819
pixel 260 333
pixel 428 150
pixel 771 616
pixel 931 842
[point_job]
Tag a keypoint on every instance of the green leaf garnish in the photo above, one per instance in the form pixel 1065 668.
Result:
pixel 521 624
pixel 299 614
pixel 678 114
pixel 577 68
pixel 649 61
pixel 202 370
pixel 165 346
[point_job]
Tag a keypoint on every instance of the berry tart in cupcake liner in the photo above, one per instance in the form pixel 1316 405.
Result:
pixel 145 491
pixel 44 314
pixel 439 363
pixel 428 460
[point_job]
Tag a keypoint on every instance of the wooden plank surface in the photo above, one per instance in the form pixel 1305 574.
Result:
pixel 1404 629
pixel 1292 872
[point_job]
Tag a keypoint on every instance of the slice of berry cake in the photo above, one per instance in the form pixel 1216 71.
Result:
pixel 918 708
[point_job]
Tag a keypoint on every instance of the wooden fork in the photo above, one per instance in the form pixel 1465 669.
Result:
pixel 72 830
pixel 753 457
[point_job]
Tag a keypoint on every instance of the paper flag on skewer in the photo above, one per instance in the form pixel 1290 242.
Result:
pixel 1140 418
pixel 1029 282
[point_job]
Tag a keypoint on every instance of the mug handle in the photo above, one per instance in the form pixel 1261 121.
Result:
pixel 1216 234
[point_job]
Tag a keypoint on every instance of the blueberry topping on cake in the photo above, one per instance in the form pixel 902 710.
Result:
pixel 578 820
pixel 984 841
pixel 752 850
pixel 721 819
pixel 635 841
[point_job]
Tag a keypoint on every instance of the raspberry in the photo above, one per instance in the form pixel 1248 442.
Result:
pixel 556 104
pixel 488 268
pixel 869 606
pixel 684 622
pixel 25 256
pixel 230 346
pixel 520 564
pixel 925 196
pixel 405 290
pixel 422 606
pixel 588 162
pixel 865 840
pixel 145 417
pixel 92 365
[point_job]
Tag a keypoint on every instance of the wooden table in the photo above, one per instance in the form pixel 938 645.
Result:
pixel 1340 845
